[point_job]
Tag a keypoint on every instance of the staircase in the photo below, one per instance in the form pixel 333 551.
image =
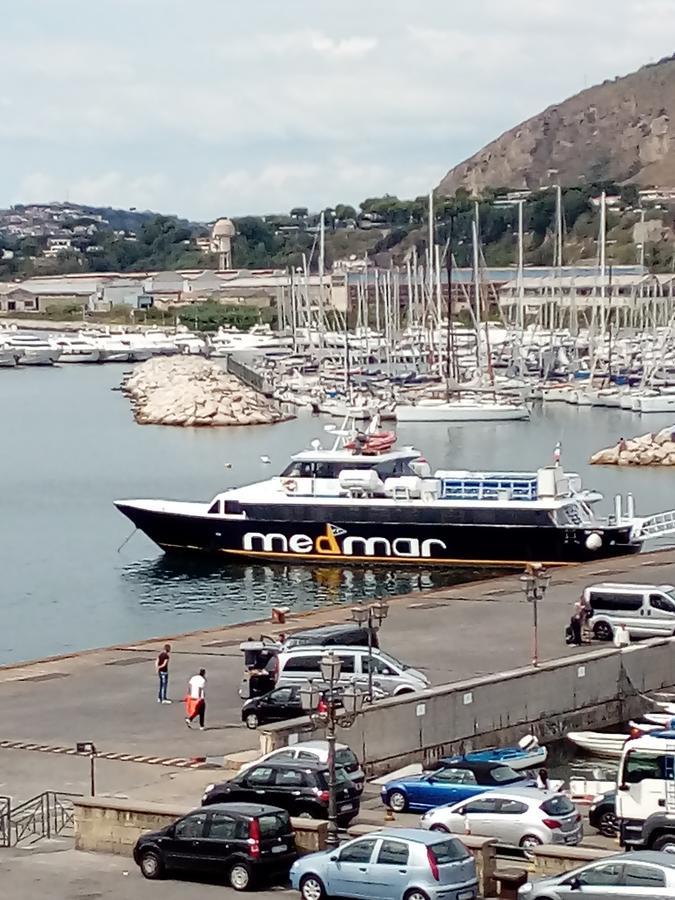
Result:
pixel 48 815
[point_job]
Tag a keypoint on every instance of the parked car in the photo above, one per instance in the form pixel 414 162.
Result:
pixel 647 610
pixel 243 842
pixel 449 784
pixel 344 635
pixel 301 664
pixel 301 788
pixel 641 875
pixel 525 817
pixel 602 814
pixel 392 864
pixel 315 751
pixel 284 703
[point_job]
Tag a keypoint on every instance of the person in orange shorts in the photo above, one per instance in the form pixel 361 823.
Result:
pixel 195 702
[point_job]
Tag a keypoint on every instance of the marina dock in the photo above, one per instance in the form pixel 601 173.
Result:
pixel 108 696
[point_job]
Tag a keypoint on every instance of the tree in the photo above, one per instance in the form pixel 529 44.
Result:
pixel 344 211
pixel 299 213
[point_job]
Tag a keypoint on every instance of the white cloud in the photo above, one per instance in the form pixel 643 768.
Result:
pixel 197 109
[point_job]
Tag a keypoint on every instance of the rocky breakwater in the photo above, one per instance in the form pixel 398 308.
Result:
pixel 191 391
pixel 654 449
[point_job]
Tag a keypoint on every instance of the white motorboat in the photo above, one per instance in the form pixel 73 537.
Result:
pixel 599 743
pixel 32 350
pixel 461 410
pixel 655 402
pixel 77 350
pixel 8 356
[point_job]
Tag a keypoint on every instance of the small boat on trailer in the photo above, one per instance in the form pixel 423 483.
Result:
pixel 528 754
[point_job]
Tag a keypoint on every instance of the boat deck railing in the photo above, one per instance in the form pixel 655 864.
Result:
pixel 488 488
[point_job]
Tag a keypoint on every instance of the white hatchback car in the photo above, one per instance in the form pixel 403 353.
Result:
pixel 523 817
pixel 316 751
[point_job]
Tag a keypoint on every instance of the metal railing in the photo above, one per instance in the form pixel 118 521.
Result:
pixel 5 811
pixel 45 816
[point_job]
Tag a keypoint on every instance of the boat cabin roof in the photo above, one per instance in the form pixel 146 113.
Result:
pixel 344 455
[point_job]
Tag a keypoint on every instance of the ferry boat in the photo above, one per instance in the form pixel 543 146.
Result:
pixel 364 501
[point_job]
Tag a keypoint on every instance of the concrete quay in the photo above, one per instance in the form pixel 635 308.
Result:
pixel 108 696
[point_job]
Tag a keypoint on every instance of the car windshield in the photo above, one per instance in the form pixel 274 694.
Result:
pixel 504 775
pixel 340 777
pixel 392 660
pixel 274 824
pixel 345 758
pixel 558 806
pixel 449 851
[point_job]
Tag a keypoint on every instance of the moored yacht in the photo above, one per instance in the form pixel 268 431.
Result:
pixel 367 502
pixel 32 350
pixel 77 350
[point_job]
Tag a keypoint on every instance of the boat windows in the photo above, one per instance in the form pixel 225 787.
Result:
pixel 214 509
pixel 327 469
pixel 233 508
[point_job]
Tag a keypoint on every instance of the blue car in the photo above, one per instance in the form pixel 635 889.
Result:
pixel 450 783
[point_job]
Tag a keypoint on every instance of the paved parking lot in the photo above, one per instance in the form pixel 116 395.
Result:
pixel 109 696
pixel 72 875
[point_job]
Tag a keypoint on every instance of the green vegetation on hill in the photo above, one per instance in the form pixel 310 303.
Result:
pixel 384 228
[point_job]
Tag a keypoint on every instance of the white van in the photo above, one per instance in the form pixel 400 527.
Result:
pixel 647 610
pixel 301 664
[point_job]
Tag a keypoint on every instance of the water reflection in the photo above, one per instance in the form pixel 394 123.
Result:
pixel 239 591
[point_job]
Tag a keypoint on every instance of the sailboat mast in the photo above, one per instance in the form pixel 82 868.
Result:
pixel 520 315
pixel 603 260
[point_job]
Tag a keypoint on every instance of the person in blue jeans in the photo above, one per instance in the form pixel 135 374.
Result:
pixel 162 668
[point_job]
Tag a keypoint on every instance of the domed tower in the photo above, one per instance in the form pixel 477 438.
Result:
pixel 221 242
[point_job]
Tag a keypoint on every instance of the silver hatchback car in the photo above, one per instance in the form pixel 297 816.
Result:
pixel 642 875
pixel 525 817
pixel 392 864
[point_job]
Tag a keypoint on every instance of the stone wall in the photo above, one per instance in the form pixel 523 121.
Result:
pixel 590 690
pixel 107 825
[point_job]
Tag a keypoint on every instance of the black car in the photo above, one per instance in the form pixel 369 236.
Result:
pixel 281 704
pixel 276 706
pixel 342 635
pixel 602 814
pixel 241 841
pixel 299 787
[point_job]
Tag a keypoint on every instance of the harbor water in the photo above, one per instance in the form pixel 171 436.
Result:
pixel 70 447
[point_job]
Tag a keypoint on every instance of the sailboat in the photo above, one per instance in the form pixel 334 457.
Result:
pixel 458 405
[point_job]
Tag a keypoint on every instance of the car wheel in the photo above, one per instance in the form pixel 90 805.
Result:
pixel 438 827
pixel 251 720
pixel 416 894
pixel 665 843
pixel 239 876
pixel 398 801
pixel 311 888
pixel 602 631
pixel 152 866
pixel 608 824
pixel 530 841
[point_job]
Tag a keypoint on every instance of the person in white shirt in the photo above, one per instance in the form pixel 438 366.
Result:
pixel 621 636
pixel 196 699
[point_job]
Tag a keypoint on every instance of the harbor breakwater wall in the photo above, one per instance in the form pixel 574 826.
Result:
pixel 590 690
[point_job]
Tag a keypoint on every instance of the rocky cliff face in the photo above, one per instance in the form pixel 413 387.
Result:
pixel 621 130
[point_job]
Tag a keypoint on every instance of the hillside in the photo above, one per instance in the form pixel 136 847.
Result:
pixel 621 130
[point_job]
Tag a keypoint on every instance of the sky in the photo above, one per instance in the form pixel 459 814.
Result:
pixel 215 107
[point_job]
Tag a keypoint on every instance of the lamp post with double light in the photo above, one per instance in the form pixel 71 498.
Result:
pixel 371 617
pixel 535 583
pixel 343 715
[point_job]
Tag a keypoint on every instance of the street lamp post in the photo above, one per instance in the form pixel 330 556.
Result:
pixel 372 617
pixel 352 703
pixel 535 583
